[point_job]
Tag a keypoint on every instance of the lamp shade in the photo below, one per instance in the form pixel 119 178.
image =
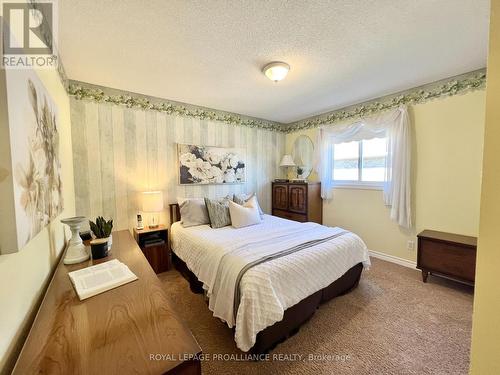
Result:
pixel 287 161
pixel 152 201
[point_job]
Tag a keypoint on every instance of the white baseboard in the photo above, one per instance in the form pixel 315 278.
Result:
pixel 393 259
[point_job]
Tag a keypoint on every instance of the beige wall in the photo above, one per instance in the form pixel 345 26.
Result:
pixel 447 155
pixel 485 358
pixel 24 275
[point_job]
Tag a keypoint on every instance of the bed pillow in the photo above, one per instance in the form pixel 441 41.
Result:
pixel 193 212
pixel 241 199
pixel 245 215
pixel 218 212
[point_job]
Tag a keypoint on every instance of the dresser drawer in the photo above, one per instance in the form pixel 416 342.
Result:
pixel 446 258
pixel 290 215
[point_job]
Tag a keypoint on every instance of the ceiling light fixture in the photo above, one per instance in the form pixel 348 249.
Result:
pixel 276 70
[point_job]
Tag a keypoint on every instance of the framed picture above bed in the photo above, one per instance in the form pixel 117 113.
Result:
pixel 202 165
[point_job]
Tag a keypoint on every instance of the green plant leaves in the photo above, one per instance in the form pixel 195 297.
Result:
pixel 101 228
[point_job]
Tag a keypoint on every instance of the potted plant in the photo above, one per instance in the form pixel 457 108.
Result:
pixel 300 171
pixel 101 245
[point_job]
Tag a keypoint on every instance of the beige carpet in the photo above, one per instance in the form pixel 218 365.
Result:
pixel 392 323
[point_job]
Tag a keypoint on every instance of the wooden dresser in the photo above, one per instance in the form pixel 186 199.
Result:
pixel 447 254
pixel 298 201
pixel 128 330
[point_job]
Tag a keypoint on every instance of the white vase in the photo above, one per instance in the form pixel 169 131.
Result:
pixel 76 251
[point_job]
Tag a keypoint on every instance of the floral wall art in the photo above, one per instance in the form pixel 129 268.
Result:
pixel 34 144
pixel 210 165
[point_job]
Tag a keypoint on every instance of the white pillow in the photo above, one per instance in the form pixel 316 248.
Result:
pixel 246 215
pixel 193 212
pixel 243 198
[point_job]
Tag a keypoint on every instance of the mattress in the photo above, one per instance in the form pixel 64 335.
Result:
pixel 267 289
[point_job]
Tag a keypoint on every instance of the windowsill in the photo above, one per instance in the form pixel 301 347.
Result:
pixel 359 186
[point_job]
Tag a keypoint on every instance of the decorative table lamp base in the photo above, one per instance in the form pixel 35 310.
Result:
pixel 76 251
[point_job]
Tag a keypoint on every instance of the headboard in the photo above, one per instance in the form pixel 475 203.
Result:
pixel 175 213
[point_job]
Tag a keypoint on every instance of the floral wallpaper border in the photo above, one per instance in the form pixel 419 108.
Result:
pixel 462 84
pixel 82 91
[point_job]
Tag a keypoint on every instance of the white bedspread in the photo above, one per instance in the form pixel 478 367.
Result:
pixel 270 288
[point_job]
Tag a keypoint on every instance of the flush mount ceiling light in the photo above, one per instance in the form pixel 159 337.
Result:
pixel 276 70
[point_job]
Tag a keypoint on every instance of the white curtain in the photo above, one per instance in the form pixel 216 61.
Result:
pixel 395 126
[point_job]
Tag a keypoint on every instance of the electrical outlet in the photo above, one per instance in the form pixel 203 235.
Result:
pixel 410 245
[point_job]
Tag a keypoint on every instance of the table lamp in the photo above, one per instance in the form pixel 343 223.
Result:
pixel 152 202
pixel 287 161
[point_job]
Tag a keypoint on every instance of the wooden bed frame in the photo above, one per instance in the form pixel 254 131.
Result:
pixel 294 316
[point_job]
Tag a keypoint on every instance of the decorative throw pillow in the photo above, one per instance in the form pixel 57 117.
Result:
pixel 246 215
pixel 241 199
pixel 193 212
pixel 218 212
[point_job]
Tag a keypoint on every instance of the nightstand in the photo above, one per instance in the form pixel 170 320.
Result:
pixel 154 244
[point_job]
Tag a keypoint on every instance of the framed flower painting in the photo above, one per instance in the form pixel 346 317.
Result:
pixel 210 165
pixel 32 182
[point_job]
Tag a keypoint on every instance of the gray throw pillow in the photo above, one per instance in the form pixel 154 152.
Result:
pixel 241 199
pixel 218 212
pixel 193 212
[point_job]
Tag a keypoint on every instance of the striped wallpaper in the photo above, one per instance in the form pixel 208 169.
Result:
pixel 120 152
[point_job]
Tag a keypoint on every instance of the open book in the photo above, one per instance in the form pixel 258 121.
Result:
pixel 99 278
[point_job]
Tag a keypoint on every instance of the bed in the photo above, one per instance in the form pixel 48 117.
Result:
pixel 264 281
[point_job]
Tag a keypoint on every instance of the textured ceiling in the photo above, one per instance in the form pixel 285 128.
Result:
pixel 210 53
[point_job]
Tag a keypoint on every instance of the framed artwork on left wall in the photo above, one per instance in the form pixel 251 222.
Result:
pixel 32 166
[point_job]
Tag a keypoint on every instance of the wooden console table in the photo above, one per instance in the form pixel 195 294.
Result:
pixel 116 332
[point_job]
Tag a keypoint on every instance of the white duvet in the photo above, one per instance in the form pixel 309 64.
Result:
pixel 270 288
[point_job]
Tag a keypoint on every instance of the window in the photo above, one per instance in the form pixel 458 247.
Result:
pixel 360 163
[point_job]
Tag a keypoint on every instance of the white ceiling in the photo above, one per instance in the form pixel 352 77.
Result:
pixel 211 52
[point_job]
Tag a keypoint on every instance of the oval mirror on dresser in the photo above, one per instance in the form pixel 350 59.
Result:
pixel 303 154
